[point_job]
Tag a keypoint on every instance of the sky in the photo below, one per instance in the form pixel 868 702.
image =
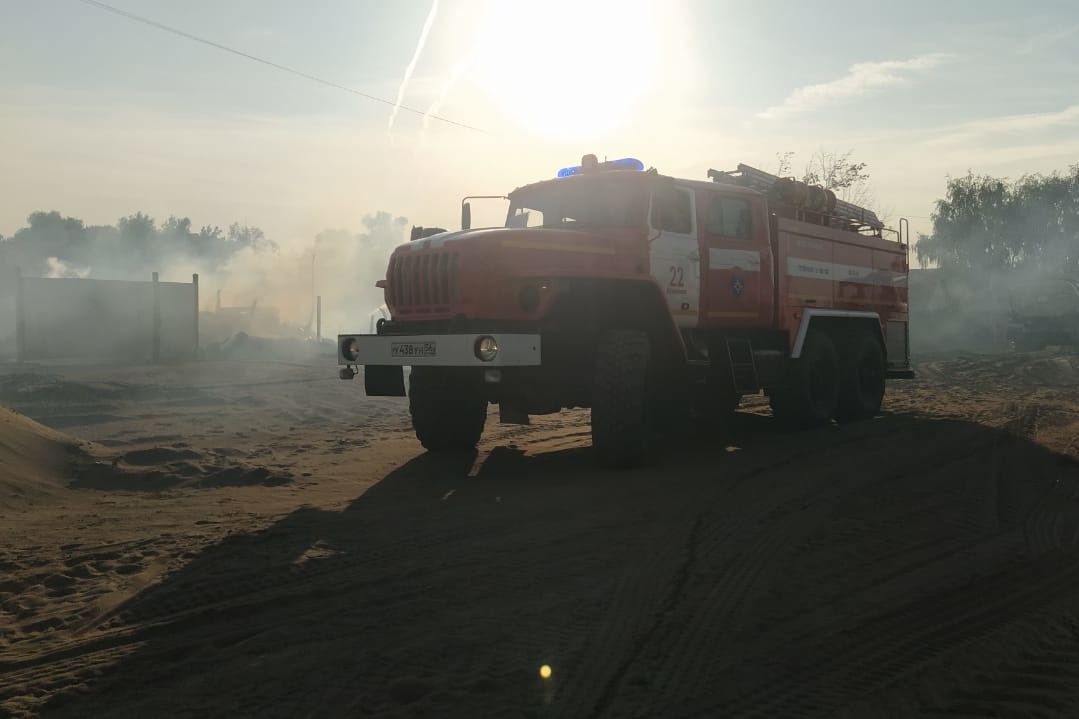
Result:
pixel 102 116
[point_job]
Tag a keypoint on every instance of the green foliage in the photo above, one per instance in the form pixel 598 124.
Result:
pixel 134 247
pixel 993 223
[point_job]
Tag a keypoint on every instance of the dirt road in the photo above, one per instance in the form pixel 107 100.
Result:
pixel 259 539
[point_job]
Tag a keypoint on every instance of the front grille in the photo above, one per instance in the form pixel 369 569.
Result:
pixel 423 280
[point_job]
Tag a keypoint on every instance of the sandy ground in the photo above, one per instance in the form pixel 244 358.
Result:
pixel 259 539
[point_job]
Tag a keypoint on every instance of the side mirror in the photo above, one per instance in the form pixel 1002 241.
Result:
pixel 466 216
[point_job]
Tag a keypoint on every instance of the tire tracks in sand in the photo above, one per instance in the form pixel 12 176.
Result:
pixel 685 666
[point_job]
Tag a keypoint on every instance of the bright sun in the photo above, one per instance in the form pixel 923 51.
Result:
pixel 567 69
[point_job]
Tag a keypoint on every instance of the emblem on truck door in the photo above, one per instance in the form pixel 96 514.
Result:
pixel 737 286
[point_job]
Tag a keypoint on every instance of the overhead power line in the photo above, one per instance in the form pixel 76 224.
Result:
pixel 270 63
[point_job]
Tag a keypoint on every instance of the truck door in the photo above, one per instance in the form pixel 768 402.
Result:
pixel 737 260
pixel 674 252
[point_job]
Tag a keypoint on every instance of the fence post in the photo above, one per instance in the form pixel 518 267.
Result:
pixel 195 282
pixel 20 318
pixel 318 318
pixel 157 320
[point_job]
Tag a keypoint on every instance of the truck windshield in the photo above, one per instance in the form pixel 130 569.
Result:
pixel 579 204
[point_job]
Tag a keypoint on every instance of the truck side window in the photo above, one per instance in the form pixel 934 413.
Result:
pixel 672 211
pixel 729 217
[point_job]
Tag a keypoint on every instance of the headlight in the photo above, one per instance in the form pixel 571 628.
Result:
pixel 486 349
pixel 350 349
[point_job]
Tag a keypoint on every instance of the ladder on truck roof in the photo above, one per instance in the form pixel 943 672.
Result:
pixel 856 218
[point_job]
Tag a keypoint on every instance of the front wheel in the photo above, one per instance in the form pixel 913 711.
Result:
pixel 620 399
pixel 448 411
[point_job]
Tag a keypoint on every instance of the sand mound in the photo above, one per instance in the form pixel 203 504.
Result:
pixel 35 462
pixel 161 468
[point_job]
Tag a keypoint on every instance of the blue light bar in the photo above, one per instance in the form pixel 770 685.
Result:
pixel 625 163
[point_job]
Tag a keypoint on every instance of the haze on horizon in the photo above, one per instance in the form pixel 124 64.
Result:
pixel 105 116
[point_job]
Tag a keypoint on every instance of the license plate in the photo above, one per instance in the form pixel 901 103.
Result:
pixel 413 349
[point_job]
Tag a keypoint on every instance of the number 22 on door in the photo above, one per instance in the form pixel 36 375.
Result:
pixel 677 284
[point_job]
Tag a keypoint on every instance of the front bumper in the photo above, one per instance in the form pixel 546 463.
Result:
pixel 439 350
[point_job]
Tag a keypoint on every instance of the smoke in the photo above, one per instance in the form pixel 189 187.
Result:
pixel 247 282
pixel 7 320
pixel 55 267
pixel 412 64
pixel 997 254
pixel 340 266
pixel 951 312
pixel 963 310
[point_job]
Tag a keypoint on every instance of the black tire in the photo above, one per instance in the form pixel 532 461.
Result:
pixel 448 410
pixel 862 377
pixel 620 399
pixel 810 395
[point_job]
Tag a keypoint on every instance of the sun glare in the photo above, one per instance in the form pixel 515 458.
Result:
pixel 568 69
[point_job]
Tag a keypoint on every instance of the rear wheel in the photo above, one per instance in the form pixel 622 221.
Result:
pixel 448 411
pixel 810 394
pixel 620 399
pixel 862 377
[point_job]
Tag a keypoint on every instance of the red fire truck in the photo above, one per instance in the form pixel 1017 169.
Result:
pixel 642 297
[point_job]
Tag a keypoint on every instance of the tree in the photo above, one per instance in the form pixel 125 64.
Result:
pixel 179 226
pixel 244 237
pixel 836 172
pixel 131 249
pixel 210 243
pixel 986 223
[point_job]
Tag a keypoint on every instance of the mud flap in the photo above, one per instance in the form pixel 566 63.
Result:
pixel 384 380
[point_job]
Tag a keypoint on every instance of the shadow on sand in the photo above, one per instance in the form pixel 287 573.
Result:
pixel 436 593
